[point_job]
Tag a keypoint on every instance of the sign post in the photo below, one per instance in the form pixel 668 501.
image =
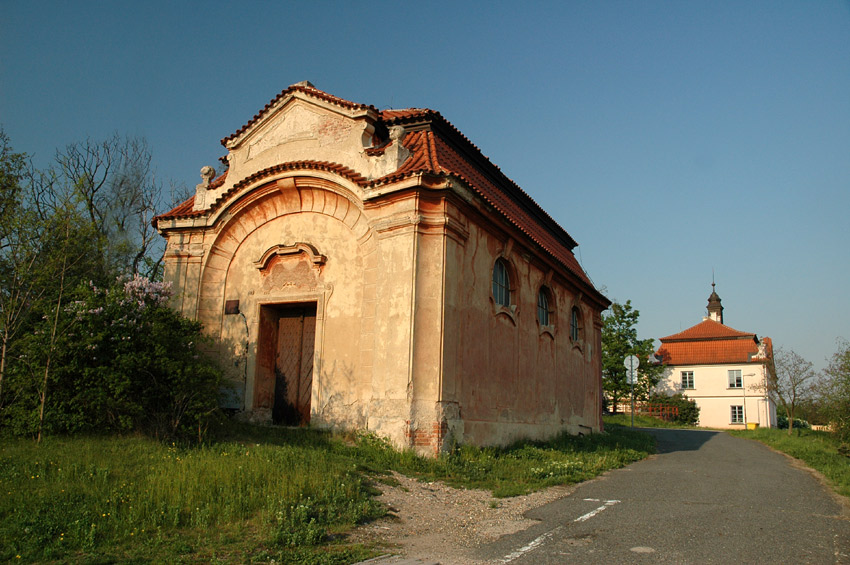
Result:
pixel 631 362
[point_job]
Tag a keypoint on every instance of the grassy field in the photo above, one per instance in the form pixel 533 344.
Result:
pixel 818 450
pixel 251 495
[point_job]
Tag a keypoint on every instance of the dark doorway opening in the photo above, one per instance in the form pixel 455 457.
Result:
pixel 285 350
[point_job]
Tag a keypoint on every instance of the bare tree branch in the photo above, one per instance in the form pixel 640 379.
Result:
pixel 790 381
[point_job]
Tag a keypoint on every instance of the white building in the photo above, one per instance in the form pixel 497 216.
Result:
pixel 724 370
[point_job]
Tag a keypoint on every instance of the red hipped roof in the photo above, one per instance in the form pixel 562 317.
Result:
pixel 711 342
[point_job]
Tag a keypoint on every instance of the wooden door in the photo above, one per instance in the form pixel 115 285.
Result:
pixel 285 362
pixel 294 366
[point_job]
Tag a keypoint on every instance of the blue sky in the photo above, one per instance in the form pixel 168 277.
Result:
pixel 670 139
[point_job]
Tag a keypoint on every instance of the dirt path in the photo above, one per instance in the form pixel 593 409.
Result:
pixel 434 522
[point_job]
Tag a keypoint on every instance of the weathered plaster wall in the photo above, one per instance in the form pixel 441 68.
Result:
pixel 344 287
pixel 515 378
pixel 391 386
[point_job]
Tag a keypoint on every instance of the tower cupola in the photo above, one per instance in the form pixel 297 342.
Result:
pixel 715 309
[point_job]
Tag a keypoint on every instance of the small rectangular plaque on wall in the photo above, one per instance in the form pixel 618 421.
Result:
pixel 231 307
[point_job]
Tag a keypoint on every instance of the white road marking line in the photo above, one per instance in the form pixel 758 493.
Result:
pixel 538 541
pixel 593 513
pixel 531 545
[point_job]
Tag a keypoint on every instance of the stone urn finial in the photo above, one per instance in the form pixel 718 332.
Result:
pixel 396 132
pixel 207 174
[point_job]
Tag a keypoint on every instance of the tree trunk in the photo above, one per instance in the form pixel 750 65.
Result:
pixel 47 362
pixel 3 363
pixel 52 338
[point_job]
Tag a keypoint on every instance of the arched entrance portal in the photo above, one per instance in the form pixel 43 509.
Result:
pixel 287 339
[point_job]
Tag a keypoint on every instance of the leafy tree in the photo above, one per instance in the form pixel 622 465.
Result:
pixel 619 340
pixel 64 233
pixel 837 395
pixel 63 256
pixel 790 381
pixel 18 252
pixel 814 409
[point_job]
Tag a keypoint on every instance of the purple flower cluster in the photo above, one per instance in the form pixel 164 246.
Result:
pixel 145 291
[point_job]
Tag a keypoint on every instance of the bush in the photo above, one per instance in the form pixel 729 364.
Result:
pixel 799 424
pixel 688 409
pixel 125 361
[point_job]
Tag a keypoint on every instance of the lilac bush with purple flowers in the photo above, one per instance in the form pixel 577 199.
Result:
pixel 129 362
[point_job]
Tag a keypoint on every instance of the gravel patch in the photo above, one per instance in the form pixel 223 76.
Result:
pixel 435 523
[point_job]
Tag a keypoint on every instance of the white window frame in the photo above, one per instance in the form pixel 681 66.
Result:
pixel 736 380
pixel 736 414
pixel 688 380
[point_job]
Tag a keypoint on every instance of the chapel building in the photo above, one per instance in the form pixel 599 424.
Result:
pixel 371 269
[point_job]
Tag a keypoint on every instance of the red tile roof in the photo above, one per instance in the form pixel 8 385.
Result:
pixel 436 147
pixel 707 352
pixel 431 152
pixel 182 210
pixel 707 329
pixel 185 208
pixel 711 342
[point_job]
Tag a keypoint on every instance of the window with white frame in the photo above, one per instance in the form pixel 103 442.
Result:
pixel 687 379
pixel 736 415
pixel 735 378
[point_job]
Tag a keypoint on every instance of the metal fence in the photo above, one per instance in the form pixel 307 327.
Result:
pixel 654 410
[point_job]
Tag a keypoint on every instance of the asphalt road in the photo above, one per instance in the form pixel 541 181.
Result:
pixel 707 497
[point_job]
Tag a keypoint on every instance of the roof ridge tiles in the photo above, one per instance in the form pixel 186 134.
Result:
pixel 342 170
pixel 433 161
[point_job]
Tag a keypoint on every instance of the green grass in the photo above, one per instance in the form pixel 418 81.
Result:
pixel 525 466
pixel 252 495
pixel 818 450
pixel 625 419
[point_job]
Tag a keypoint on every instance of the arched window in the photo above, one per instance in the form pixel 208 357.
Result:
pixel 575 324
pixel 543 309
pixel 501 284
